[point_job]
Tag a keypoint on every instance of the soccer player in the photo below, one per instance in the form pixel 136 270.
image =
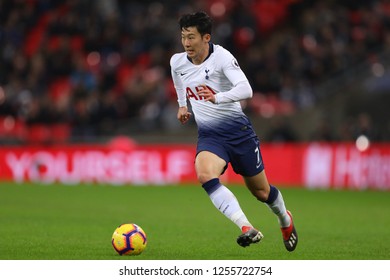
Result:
pixel 210 77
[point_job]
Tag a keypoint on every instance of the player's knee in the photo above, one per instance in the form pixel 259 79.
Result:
pixel 261 195
pixel 204 177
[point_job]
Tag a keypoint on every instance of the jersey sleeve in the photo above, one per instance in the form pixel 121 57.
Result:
pixel 231 68
pixel 241 88
pixel 181 95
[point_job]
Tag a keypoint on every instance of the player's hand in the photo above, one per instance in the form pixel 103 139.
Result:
pixel 183 115
pixel 206 94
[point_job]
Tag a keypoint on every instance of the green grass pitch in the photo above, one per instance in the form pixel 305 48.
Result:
pixel 56 222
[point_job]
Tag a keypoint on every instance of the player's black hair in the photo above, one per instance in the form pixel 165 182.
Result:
pixel 200 20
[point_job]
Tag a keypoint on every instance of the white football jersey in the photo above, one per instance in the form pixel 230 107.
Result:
pixel 220 72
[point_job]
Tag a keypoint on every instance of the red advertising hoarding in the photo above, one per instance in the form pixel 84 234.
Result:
pixel 313 165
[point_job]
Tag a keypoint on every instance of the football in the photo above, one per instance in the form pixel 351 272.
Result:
pixel 129 239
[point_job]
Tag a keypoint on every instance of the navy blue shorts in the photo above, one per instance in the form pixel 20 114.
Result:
pixel 245 157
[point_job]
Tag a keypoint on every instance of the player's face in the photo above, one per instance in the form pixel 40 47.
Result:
pixel 195 45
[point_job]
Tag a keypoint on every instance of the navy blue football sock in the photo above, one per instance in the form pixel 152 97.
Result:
pixel 273 194
pixel 211 186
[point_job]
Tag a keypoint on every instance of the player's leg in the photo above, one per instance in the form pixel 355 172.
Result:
pixel 247 161
pixel 272 197
pixel 208 168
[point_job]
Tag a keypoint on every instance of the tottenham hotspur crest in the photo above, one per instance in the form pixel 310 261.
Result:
pixel 207 73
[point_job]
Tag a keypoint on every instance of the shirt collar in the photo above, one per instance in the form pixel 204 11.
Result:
pixel 211 50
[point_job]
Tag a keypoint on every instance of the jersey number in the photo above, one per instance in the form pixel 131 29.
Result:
pixel 259 161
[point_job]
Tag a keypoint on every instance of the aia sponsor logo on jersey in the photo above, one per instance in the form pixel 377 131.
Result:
pixel 193 92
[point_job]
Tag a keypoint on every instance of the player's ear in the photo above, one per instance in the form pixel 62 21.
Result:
pixel 207 37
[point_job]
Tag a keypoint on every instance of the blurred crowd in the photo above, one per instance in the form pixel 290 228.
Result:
pixel 102 67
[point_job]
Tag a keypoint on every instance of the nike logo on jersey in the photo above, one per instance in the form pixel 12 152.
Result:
pixel 182 74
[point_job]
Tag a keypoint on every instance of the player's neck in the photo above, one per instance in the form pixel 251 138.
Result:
pixel 204 55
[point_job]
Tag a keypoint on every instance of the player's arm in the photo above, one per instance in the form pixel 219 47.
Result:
pixel 241 89
pixel 182 114
pixel 181 95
